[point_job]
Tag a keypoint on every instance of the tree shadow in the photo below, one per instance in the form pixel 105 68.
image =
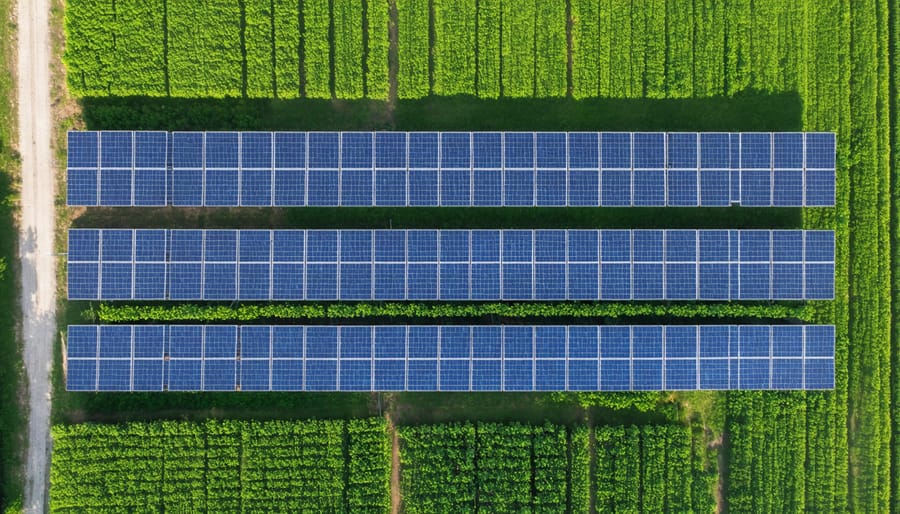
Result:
pixel 748 111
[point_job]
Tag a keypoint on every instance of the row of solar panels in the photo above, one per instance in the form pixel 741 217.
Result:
pixel 448 358
pixel 451 188
pixel 450 264
pixel 450 169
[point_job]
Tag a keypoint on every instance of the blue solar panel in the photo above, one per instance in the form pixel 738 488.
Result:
pixel 615 150
pixel 552 358
pixel 584 150
pixel 519 150
pixel 649 150
pixel 81 187
pixel 456 150
pixel 820 150
pixel 487 149
pixel 114 375
pixel 290 150
pixel 650 188
pixel 116 149
pixel 82 342
pixel 83 149
pixel 423 188
pixel 551 149
pixel 287 375
pixel 682 150
pixel 451 169
pixel 116 186
pixel 323 188
pixel 451 265
pixel 356 150
pixel 390 150
pixel 756 150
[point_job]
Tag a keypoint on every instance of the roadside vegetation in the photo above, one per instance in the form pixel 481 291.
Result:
pixel 12 416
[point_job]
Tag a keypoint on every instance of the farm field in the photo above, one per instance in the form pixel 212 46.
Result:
pixel 344 466
pixel 770 65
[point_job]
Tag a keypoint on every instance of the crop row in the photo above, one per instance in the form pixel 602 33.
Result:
pixel 220 48
pixel 222 466
pixel 647 469
pixel 521 468
pixel 119 313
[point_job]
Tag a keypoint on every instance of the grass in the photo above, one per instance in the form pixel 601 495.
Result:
pixel 12 421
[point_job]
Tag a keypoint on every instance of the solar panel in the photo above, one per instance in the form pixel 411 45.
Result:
pixel 295 169
pixel 464 265
pixel 448 358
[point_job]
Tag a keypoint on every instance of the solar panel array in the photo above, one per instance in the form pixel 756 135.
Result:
pixel 790 169
pixel 112 264
pixel 448 358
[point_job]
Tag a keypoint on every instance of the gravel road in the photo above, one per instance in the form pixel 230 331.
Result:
pixel 37 263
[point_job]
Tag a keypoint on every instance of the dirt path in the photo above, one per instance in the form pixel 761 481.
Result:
pixel 37 263
pixel 395 466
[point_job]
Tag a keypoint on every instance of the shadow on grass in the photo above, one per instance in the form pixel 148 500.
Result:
pixel 12 421
pixel 442 217
pixel 748 111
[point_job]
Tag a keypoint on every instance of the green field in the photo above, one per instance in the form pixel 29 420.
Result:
pixel 345 466
pixel 611 65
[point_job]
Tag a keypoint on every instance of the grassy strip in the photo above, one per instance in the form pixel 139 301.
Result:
pixel 258 44
pixel 209 31
pixel 828 88
pixel 517 48
pixel 895 254
pixel 287 49
pixel 348 48
pixel 870 317
pixel 488 41
pixel 413 79
pixel 118 313
pixel 585 48
pixel 454 47
pixel 316 48
pixel 378 41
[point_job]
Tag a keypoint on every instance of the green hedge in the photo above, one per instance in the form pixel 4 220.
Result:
pixel 119 313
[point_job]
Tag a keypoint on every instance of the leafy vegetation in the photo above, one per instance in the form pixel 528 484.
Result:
pixel 220 466
pixel 454 47
pixel 348 48
pixel 378 45
pixel 413 72
pixel 646 469
pixel 250 49
pixel 494 467
pixel 12 417
pixel 119 313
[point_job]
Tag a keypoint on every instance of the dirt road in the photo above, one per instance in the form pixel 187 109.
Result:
pixel 37 263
